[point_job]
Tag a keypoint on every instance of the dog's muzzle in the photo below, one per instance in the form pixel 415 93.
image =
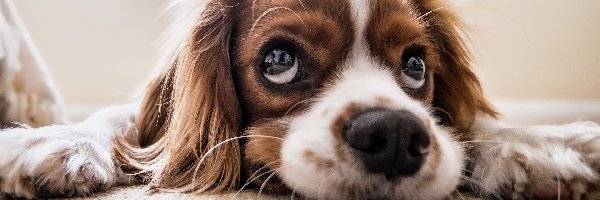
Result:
pixel 388 142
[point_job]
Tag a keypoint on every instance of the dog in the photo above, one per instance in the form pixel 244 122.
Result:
pixel 345 99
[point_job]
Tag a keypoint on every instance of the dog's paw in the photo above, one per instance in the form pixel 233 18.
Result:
pixel 544 162
pixel 586 140
pixel 55 161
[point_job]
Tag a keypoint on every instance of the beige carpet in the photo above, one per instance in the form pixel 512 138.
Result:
pixel 140 192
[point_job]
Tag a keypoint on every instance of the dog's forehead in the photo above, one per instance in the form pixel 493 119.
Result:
pixel 371 22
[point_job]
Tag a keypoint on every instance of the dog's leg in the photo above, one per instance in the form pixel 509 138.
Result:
pixel 61 160
pixel 539 162
pixel 27 93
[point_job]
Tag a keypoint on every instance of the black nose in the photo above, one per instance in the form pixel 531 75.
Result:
pixel 394 143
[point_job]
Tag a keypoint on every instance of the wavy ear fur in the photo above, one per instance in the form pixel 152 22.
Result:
pixel 188 110
pixel 457 90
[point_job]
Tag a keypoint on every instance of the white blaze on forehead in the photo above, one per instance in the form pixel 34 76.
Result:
pixel 360 10
pixel 359 56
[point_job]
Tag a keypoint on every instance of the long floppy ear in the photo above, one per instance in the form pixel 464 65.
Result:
pixel 457 89
pixel 188 111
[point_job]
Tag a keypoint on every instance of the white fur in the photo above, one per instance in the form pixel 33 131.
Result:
pixel 520 157
pixel 63 159
pixel 361 15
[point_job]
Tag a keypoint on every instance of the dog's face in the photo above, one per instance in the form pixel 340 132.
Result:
pixel 348 87
pixel 334 99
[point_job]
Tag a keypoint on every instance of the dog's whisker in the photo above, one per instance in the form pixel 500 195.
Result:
pixel 266 120
pixel 253 6
pixel 453 5
pixel 303 7
pixel 421 17
pixel 558 180
pixel 459 194
pixel 250 182
pixel 267 180
pixel 447 114
pixel 470 180
pixel 485 141
pixel 138 173
pixel 310 100
pixel 294 191
pixel 466 170
pixel 477 183
pixel 274 9
pixel 224 142
pixel 319 194
pixel 263 167
pixel 253 178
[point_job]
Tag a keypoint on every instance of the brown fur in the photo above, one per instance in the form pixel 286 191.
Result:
pixel 194 105
pixel 201 110
pixel 457 89
pixel 260 152
pixel 391 31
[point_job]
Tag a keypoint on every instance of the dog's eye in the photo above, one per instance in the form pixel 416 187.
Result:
pixel 280 66
pixel 413 72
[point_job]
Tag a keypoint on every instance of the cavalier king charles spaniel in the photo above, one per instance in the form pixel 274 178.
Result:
pixel 348 99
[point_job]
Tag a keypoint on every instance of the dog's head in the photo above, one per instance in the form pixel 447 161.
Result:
pixel 330 99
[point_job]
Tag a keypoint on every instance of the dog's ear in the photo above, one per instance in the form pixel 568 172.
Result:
pixel 189 110
pixel 457 90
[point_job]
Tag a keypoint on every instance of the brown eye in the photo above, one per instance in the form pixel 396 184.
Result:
pixel 280 66
pixel 413 72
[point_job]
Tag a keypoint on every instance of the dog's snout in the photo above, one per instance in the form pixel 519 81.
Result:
pixel 393 143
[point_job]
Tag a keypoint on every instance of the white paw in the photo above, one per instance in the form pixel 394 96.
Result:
pixel 544 162
pixel 55 161
pixel 586 140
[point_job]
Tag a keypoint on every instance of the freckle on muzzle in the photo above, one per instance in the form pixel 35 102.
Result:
pixel 388 142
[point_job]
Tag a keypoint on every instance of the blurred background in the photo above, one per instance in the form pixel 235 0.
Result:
pixel 533 56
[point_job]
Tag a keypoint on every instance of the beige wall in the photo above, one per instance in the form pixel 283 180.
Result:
pixel 536 49
pixel 101 50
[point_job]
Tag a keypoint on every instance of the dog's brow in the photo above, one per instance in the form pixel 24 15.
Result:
pixel 272 10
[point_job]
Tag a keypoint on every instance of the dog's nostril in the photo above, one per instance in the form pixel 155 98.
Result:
pixel 394 143
pixel 419 144
pixel 417 150
pixel 364 139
